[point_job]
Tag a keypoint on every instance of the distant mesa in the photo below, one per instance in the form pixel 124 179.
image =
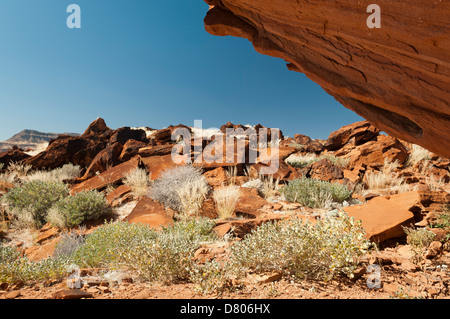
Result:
pixel 30 140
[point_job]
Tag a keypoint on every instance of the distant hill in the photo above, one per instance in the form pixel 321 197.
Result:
pixel 30 139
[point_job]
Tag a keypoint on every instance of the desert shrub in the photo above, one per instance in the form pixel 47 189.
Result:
pixel 138 180
pixel 31 202
pixel 419 238
pixel 417 154
pixel 68 244
pixel 303 160
pixel 66 172
pixel 165 255
pixel 315 193
pixel 210 277
pixel 166 189
pixel 74 210
pixel 301 250
pixel 269 186
pixel 336 160
pixel 296 145
pixel 15 268
pixel 9 178
pixel 1 166
pixel 386 178
pixel 192 194
pixel 226 198
pixel 19 169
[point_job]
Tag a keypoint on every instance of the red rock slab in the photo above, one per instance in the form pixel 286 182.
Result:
pixel 150 213
pixel 158 164
pixel 383 217
pixel 250 202
pixel 155 150
pixel 110 176
pixel 117 196
pixel 47 234
pixel 37 253
pixel 71 294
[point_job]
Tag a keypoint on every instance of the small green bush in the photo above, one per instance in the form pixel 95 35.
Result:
pixel 301 250
pixel 74 210
pixel 31 202
pixel 315 193
pixel 165 255
pixel 15 268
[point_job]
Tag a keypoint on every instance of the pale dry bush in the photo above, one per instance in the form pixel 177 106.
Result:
pixel 226 199
pixel 9 178
pixel 386 179
pixel 270 186
pixel 417 154
pixel 192 194
pixel 231 174
pixel 301 160
pixel 138 180
pixel 19 169
pixel 167 188
pixel 66 172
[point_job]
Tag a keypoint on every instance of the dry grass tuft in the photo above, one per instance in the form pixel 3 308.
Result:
pixel 226 199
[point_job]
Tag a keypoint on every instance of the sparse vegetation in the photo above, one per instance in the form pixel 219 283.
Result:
pixel 386 178
pixel 139 181
pixel 226 198
pixel 19 169
pixel 66 172
pixel 15 268
pixel 315 193
pixel 269 186
pixel 417 154
pixel 301 250
pixel 154 255
pixel 74 210
pixel 303 160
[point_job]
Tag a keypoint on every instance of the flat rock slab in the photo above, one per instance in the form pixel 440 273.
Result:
pixel 383 217
pixel 150 213
pixel 71 294
pixel 110 176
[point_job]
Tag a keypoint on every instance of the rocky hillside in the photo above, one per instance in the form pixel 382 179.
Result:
pixel 396 77
pixel 357 189
pixel 29 140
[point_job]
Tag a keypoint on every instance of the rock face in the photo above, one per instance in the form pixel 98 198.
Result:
pixel 397 77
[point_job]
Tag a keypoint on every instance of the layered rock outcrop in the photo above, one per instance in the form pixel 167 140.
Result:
pixel 397 76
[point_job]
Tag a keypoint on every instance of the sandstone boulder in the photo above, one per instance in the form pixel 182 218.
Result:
pixel 359 133
pixel 150 213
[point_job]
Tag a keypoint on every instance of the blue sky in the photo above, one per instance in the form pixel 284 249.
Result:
pixel 145 63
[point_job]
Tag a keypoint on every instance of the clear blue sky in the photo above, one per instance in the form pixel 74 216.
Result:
pixel 145 63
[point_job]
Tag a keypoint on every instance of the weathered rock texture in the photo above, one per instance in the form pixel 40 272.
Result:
pixel 397 77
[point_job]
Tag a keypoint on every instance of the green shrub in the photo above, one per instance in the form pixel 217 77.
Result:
pixel 154 255
pixel 419 238
pixel 301 250
pixel 315 193
pixel 74 210
pixel 14 268
pixel 30 202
